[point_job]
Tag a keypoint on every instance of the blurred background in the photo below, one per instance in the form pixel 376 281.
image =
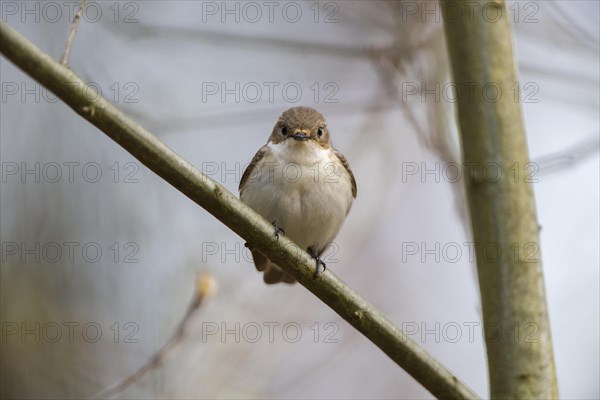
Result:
pixel 100 257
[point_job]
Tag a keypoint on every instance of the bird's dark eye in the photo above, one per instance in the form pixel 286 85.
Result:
pixel 283 130
pixel 320 132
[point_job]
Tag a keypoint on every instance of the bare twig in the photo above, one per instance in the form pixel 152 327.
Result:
pixel 568 157
pixel 244 221
pixel 204 288
pixel 65 57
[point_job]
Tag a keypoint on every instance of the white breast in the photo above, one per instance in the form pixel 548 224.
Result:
pixel 304 188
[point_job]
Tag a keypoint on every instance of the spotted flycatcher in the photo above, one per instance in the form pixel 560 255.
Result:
pixel 302 184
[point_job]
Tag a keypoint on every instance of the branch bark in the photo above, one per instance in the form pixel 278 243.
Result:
pixel 233 213
pixel 503 215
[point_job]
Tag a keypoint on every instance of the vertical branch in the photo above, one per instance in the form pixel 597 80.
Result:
pixel 65 57
pixel 502 207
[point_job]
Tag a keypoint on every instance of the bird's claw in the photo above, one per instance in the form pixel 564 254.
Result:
pixel 318 263
pixel 278 230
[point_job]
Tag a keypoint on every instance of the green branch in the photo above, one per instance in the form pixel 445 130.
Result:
pixel 501 202
pixel 237 216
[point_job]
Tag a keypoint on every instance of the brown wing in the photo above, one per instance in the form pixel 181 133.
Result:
pixel 255 160
pixel 344 162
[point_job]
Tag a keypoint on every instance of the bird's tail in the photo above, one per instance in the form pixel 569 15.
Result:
pixel 271 272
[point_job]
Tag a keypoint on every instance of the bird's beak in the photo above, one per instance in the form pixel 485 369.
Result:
pixel 301 136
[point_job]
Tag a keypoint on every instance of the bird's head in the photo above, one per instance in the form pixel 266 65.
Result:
pixel 301 125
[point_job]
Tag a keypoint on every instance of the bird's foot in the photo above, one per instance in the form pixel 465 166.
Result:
pixel 278 230
pixel 318 262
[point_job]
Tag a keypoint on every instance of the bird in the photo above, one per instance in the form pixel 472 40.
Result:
pixel 301 183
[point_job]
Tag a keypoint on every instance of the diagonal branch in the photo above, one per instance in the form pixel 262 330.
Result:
pixel 236 215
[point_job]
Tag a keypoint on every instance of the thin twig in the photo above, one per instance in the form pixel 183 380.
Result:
pixel 566 158
pixel 240 218
pixel 204 288
pixel 65 57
